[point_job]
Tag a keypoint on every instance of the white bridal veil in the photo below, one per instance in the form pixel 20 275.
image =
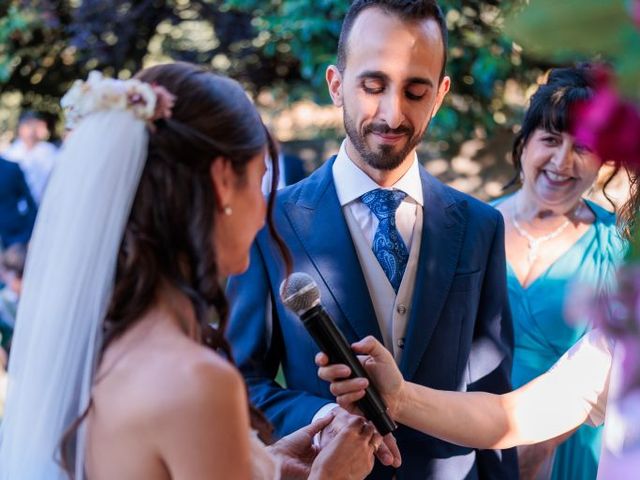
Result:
pixel 67 286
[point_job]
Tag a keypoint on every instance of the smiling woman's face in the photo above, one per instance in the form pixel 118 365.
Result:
pixel 557 171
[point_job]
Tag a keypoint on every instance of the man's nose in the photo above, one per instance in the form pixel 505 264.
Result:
pixel 391 110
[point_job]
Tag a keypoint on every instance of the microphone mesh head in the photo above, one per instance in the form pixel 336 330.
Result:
pixel 299 293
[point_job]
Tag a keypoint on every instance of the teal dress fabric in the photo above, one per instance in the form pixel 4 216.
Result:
pixel 542 336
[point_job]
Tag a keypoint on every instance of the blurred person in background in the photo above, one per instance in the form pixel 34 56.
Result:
pixel 32 151
pixel 17 207
pixel 292 170
pixel 11 271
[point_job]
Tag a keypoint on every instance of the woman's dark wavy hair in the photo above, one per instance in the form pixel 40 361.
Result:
pixel 549 109
pixel 168 236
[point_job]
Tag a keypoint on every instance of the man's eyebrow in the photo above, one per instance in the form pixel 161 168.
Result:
pixel 378 75
pixel 375 74
pixel 420 81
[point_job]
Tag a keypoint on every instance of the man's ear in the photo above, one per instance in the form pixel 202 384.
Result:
pixel 443 89
pixel 223 179
pixel 334 82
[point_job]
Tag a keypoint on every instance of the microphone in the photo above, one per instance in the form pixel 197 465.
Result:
pixel 301 295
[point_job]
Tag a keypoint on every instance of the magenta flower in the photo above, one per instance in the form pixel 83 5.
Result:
pixel 635 12
pixel 607 124
pixel 630 371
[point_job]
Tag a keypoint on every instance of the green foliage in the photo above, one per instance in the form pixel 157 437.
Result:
pixel 13 25
pixel 306 31
pixel 582 29
pixel 480 58
pixel 35 54
pixel 279 46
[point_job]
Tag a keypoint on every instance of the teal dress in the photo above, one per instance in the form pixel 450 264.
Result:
pixel 542 335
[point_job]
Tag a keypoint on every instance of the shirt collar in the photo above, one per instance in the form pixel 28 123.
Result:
pixel 351 182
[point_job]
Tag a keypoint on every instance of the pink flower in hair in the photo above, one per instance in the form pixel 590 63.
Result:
pixel 165 101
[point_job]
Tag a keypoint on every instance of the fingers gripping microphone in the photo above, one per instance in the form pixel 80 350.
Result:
pixel 301 295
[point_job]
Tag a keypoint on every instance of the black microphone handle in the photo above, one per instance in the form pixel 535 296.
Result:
pixel 332 342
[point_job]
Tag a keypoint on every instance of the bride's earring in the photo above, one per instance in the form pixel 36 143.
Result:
pixel 227 210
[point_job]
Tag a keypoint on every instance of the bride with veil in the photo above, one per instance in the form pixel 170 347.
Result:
pixel 117 370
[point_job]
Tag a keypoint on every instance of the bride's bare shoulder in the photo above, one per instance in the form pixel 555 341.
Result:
pixel 190 373
pixel 170 398
pixel 163 375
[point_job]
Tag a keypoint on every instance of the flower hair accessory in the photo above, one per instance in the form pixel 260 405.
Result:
pixel 145 101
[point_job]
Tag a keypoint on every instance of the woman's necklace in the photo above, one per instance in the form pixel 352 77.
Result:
pixel 535 242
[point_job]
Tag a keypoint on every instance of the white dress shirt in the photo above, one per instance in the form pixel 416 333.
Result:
pixel 351 183
pixel 36 163
pixel 268 174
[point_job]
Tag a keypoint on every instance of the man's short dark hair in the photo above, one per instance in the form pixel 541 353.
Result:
pixel 28 115
pixel 407 10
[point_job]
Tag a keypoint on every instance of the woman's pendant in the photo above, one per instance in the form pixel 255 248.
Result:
pixel 532 256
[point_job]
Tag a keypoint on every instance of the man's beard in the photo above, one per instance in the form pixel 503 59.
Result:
pixel 385 158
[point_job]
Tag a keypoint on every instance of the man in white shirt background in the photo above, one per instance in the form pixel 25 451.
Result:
pixel 291 170
pixel 32 151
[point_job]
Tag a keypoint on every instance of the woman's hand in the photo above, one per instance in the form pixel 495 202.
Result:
pixel 381 367
pixel 350 454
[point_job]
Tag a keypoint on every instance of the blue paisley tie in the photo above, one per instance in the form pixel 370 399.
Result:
pixel 388 246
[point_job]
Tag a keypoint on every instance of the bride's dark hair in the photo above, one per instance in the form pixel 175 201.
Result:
pixel 168 236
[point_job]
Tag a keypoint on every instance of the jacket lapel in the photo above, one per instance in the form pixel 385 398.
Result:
pixel 317 219
pixel 442 234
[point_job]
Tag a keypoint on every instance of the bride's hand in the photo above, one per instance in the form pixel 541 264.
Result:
pixel 381 367
pixel 297 450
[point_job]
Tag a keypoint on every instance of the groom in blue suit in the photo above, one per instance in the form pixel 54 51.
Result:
pixel 396 254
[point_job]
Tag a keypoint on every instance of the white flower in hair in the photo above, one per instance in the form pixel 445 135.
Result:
pixel 98 93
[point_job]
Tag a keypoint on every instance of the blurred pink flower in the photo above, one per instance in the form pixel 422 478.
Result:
pixel 630 371
pixel 164 102
pixel 635 12
pixel 607 124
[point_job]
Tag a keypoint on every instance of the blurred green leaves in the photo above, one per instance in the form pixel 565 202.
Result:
pixel 281 47
pixel 582 29
pixel 480 59
pixel 304 30
pixel 16 27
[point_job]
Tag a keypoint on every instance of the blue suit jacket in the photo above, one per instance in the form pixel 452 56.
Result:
pixel 459 336
pixel 17 208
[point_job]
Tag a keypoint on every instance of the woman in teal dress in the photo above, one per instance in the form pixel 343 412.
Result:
pixel 554 238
